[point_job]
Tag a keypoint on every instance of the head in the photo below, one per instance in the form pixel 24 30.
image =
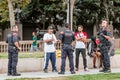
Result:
pixel 15 28
pixel 33 33
pixel 104 23
pixel 80 28
pixel 50 29
pixel 93 38
pixel 67 26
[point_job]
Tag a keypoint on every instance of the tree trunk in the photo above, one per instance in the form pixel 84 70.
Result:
pixel 106 10
pixel 72 7
pixel 11 13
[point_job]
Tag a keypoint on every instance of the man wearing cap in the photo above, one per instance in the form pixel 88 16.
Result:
pixel 49 40
pixel 67 37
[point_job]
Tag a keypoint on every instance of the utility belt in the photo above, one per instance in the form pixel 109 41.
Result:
pixel 13 47
pixel 67 46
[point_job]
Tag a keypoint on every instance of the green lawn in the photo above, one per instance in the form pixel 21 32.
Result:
pixel 24 55
pixel 36 55
pixel 111 76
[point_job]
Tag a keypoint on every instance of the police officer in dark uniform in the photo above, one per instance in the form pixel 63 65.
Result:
pixel 67 37
pixel 13 48
pixel 104 36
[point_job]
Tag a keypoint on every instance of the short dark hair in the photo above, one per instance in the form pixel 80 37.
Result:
pixel 67 25
pixel 80 26
pixel 14 26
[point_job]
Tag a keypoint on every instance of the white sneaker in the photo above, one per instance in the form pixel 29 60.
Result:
pixel 86 69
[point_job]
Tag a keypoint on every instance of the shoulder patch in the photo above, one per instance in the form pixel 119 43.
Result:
pixel 9 35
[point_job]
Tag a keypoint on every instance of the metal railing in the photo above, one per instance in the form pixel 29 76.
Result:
pixel 25 45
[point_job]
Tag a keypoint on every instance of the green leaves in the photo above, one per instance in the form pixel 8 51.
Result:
pixel 90 11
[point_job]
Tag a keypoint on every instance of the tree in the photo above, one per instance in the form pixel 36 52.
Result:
pixel 91 12
pixel 7 6
pixel 45 11
pixel 11 13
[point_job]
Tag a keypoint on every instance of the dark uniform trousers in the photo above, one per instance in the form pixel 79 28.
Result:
pixel 67 52
pixel 13 59
pixel 105 57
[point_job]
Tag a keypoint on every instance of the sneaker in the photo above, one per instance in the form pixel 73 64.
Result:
pixel 102 70
pixel 16 74
pixel 45 70
pixel 72 72
pixel 76 69
pixel 86 69
pixel 100 66
pixel 94 66
pixel 61 72
pixel 54 70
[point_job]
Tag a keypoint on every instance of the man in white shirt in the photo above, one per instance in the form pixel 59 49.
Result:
pixel 49 40
pixel 80 37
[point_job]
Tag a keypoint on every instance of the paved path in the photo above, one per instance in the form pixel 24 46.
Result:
pixel 51 74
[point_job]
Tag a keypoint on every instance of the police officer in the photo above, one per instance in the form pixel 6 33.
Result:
pixel 66 38
pixel 13 48
pixel 104 36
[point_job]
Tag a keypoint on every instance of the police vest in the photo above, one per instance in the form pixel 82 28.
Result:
pixel 68 37
pixel 103 40
pixel 9 39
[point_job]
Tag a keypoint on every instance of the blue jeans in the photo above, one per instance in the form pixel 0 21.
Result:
pixel 52 57
pixel 34 48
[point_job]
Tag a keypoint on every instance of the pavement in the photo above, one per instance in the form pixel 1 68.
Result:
pixel 53 74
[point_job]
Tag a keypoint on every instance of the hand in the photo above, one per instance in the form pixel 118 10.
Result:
pixel 52 39
pixel 61 32
pixel 20 48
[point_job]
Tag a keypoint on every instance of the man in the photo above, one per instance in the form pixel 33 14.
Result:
pixel 49 40
pixel 80 37
pixel 66 38
pixel 13 48
pixel 34 44
pixel 104 36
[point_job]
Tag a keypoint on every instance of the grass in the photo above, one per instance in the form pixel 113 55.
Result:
pixel 111 76
pixel 35 55
pixel 24 55
pixel 117 51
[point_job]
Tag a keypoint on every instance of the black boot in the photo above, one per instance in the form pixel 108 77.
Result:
pixel 9 73
pixel 16 74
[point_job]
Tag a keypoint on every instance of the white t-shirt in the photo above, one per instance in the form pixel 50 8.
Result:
pixel 49 47
pixel 80 44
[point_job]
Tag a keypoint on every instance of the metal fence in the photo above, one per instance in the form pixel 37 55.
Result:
pixel 25 45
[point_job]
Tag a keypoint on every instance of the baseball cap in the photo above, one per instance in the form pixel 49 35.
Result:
pixel 50 27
